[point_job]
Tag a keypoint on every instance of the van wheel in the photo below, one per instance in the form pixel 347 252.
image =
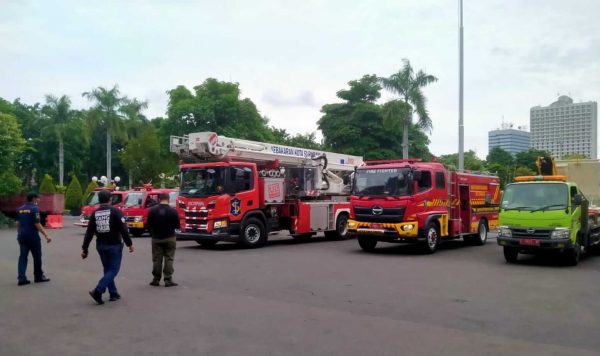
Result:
pixel 367 243
pixel 572 256
pixel 137 232
pixel 253 233
pixel 511 254
pixel 341 230
pixel 432 238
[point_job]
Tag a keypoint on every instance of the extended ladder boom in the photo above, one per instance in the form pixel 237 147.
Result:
pixel 209 145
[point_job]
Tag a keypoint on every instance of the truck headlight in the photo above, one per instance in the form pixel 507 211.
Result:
pixel 560 234
pixel 407 227
pixel 351 225
pixel 504 231
pixel 138 219
pixel 220 224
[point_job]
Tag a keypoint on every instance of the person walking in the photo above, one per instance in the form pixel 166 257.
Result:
pixel 162 222
pixel 108 224
pixel 28 229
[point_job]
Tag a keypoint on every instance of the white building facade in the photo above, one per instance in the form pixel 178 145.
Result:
pixel 565 128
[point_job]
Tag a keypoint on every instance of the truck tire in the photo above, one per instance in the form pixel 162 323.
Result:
pixel 432 238
pixel 572 255
pixel 341 230
pixel 480 238
pixel 367 243
pixel 511 254
pixel 136 232
pixel 253 233
pixel 206 243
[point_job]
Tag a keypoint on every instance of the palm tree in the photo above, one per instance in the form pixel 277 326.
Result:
pixel 407 85
pixel 107 112
pixel 135 121
pixel 58 112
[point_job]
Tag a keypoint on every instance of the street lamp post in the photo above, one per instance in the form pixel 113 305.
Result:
pixel 461 127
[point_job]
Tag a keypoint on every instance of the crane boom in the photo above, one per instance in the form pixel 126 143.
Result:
pixel 209 146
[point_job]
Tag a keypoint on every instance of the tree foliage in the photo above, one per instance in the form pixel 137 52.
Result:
pixel 90 188
pixel 73 194
pixel 11 146
pixel 529 157
pixel 47 185
pixel 472 162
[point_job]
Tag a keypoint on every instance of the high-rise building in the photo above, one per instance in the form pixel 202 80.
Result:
pixel 565 128
pixel 509 139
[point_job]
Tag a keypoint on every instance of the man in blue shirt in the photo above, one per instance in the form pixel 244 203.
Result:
pixel 29 227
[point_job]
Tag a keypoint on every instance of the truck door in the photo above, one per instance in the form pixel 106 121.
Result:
pixel 243 191
pixel 465 208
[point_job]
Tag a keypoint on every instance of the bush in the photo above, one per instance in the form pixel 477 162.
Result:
pixel 73 196
pixel 90 188
pixel 61 189
pixel 47 187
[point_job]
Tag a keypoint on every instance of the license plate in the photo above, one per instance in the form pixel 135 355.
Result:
pixel 376 226
pixel 530 242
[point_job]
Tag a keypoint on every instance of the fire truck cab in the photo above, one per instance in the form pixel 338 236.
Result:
pixel 239 190
pixel 138 203
pixel 116 199
pixel 408 201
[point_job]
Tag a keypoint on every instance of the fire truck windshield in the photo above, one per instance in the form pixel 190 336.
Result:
pixel 134 199
pixel 92 199
pixel 382 181
pixel 202 182
pixel 535 196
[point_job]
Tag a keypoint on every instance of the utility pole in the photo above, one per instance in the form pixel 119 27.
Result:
pixel 461 127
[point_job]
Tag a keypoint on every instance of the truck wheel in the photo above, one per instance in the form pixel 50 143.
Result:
pixel 511 254
pixel 253 233
pixel 572 255
pixel 206 243
pixel 341 231
pixel 367 243
pixel 136 232
pixel 432 238
pixel 481 237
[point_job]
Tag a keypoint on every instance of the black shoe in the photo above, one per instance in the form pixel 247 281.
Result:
pixel 97 296
pixel 24 283
pixel 41 279
pixel 170 284
pixel 114 297
pixel 155 283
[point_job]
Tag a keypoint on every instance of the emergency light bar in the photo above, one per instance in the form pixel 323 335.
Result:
pixel 554 178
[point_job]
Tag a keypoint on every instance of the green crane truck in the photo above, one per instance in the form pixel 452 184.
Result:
pixel 546 213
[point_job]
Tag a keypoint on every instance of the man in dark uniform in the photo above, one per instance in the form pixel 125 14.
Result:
pixel 162 222
pixel 108 224
pixel 29 227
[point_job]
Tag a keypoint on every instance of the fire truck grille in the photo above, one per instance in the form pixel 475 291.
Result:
pixel 196 214
pixel 532 233
pixel 391 215
pixel 129 218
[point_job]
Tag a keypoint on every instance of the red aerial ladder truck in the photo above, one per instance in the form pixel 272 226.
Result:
pixel 238 190
pixel 408 201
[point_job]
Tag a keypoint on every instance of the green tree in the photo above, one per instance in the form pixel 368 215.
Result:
pixel 472 162
pixel 142 156
pixel 524 171
pixel 356 126
pixel 58 112
pixel 11 146
pixel 574 156
pixel 106 112
pixel 47 186
pixel 407 85
pixel 90 188
pixel 500 156
pixel 73 194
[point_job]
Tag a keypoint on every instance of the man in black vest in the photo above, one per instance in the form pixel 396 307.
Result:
pixel 162 222
pixel 108 224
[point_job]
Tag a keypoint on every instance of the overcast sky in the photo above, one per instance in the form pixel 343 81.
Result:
pixel 291 57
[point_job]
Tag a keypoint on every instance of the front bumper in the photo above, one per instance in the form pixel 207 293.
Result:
pixel 135 225
pixel 207 236
pixel 388 232
pixel 545 244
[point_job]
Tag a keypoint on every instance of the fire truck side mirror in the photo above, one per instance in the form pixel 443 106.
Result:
pixel 577 199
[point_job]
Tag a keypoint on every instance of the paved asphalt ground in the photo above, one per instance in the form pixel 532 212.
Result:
pixel 313 298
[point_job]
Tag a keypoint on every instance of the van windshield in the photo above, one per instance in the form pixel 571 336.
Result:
pixel 92 199
pixel 134 199
pixel 535 196
pixel 382 181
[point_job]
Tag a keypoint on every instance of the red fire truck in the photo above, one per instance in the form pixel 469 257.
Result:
pixel 138 203
pixel 242 190
pixel 117 198
pixel 408 201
